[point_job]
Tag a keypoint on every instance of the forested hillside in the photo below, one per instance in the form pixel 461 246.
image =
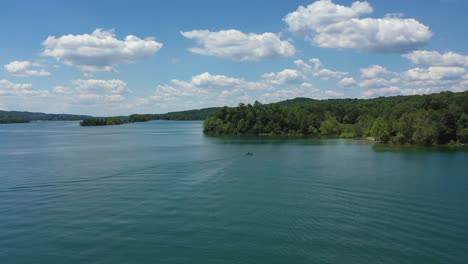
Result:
pixel 420 119
pixel 197 114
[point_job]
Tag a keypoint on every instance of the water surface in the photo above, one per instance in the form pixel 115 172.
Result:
pixel 162 192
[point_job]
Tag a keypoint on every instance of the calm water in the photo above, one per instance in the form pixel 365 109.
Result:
pixel 161 192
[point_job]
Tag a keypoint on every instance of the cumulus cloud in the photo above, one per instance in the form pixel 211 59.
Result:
pixel 99 51
pixel 330 25
pixel 374 71
pixel 394 91
pixel 92 92
pixel 434 73
pixel 61 89
pixel 347 82
pixel 7 85
pixel 99 98
pixel 285 76
pixel 434 58
pixel 377 83
pixel 417 81
pixel 239 46
pixel 114 86
pixel 303 90
pixel 8 88
pixel 207 84
pixel 317 70
pixel 388 91
pixel 25 69
pixel 208 90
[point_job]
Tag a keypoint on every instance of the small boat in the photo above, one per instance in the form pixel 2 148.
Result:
pixel 249 154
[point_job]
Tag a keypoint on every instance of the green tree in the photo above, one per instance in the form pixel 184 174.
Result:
pixel 381 130
pixel 330 127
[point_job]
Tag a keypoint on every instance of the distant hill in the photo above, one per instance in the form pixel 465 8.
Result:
pixel 196 114
pixel 297 101
pixel 24 117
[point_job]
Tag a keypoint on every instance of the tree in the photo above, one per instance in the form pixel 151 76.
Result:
pixel 381 130
pixel 462 131
pixel 330 127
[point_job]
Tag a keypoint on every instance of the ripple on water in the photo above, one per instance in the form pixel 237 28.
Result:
pixel 170 195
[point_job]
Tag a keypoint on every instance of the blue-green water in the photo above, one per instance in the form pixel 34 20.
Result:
pixel 162 192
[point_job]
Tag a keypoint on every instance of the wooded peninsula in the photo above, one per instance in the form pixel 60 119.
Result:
pixel 419 119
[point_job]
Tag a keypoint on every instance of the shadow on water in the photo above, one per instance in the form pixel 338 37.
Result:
pixel 327 141
pixel 272 140
pixel 407 149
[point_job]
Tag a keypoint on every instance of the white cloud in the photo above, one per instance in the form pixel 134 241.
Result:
pixel 207 85
pixel 99 51
pixel 286 76
pixel 388 91
pixel 303 90
pixel 7 85
pixel 374 71
pixel 8 88
pixel 239 46
pixel 375 83
pixel 414 81
pixel 61 90
pixel 25 69
pixel 99 98
pixel 326 74
pixel 347 82
pixel 92 92
pixel 434 73
pixel 394 91
pixel 210 90
pixel 330 25
pixel 317 69
pixel 434 58
pixel 114 86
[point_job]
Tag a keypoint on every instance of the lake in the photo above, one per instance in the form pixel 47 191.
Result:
pixel 162 192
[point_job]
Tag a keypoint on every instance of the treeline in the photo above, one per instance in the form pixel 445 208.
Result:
pixel 421 119
pixel 36 116
pixel 25 117
pixel 198 114
pixel 5 119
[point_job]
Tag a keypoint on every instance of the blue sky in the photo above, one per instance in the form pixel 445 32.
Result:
pixel 75 56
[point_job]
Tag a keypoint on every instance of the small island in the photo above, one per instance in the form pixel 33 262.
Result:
pixel 104 121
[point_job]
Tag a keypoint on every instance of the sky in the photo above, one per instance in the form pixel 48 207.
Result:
pixel 123 57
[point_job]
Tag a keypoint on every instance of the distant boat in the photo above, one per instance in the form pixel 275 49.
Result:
pixel 249 154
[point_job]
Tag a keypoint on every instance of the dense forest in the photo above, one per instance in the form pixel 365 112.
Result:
pixel 420 119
